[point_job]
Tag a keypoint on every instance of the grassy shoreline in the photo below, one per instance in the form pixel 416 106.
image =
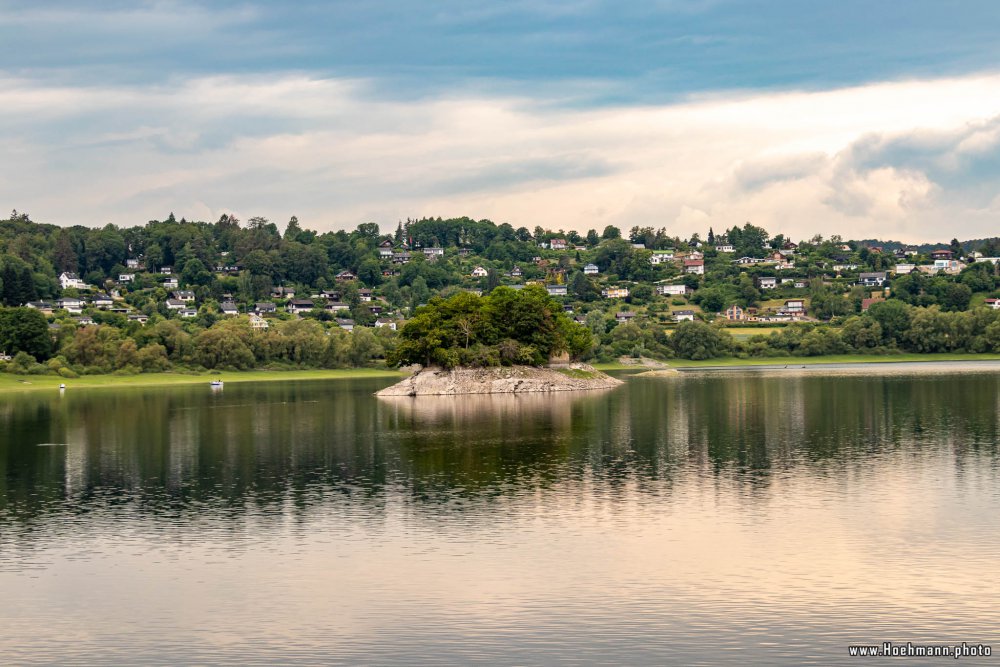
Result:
pixel 15 383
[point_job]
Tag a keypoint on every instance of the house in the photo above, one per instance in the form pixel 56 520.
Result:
pixel 580 248
pixel 365 294
pixel 941 254
pixel 175 304
pixel 138 317
pixel 265 308
pixel 661 257
pixel 385 322
pixel 867 303
pixel 725 247
pixel 170 284
pixel 683 315
pixel 126 278
pixel 735 314
pixel 695 266
pixel 258 323
pixel 83 320
pixel 70 304
pixel 749 260
pixel 187 296
pixel 615 293
pixel 282 293
pixel 433 253
pixel 902 269
pixel 228 308
pixel 68 280
pixel 876 279
pixel 767 282
pixel 799 284
pixel 385 249
pixel 166 270
pixel 101 300
pixel 345 324
pixel 993 303
pixel 793 306
pixel 672 290
pixel 591 270
pixel 335 306
pixel 376 308
pixel 297 306
pixel 464 252
pixel 132 264
pixel 400 257
pixel 639 246
pixel 516 272
pixel 479 272
pixel 624 316
pixel 558 244
pixel 345 275
pixel 949 265
pixel 187 313
pixel 556 290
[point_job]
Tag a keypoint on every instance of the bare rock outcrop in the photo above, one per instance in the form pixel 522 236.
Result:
pixel 433 381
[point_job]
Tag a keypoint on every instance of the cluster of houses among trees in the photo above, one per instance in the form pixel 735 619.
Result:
pixel 631 292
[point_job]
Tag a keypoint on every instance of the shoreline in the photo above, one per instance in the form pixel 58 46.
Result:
pixel 10 383
pixel 780 363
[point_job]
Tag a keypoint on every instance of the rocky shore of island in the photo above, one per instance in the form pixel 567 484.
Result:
pixel 435 381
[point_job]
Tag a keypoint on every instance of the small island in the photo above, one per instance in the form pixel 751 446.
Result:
pixel 511 341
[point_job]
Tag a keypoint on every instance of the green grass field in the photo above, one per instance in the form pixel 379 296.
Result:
pixel 743 333
pixel 10 382
pixel 831 359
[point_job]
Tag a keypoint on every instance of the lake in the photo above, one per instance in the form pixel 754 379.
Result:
pixel 734 518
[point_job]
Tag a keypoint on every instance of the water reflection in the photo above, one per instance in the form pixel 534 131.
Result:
pixel 774 517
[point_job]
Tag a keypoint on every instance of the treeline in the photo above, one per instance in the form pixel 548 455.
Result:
pixel 230 344
pixel 888 327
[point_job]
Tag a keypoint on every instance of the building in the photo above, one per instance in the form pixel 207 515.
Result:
pixel 365 295
pixel 345 276
pixel 876 279
pixel 187 296
pixel 767 282
pixel 385 322
pixel 672 290
pixel 83 320
pixel 902 269
pixel 345 324
pixel 941 254
pixel 683 315
pixel 479 272
pixel 43 306
pixel 558 244
pixel 335 306
pixel 591 270
pixel 615 293
pixel 187 313
pixel 265 308
pixel 516 272
pixel 695 266
pixel 725 247
pixel 385 249
pixel 258 323
pixel 68 280
pixel 133 264
pixel 175 304
pixel 867 303
pixel 228 308
pixel 661 257
pixel 735 314
pixel 993 303
pixel 750 260
pixel 297 306
pixel 70 304
pixel 556 290
pixel 170 284
pixel 166 270
pixel 126 278
pixel 400 257
pixel 101 300
pixel 624 316
pixel 282 293
pixel 433 253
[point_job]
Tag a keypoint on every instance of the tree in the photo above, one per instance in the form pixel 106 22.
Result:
pixel 697 340
pixel 24 330
pixel 611 232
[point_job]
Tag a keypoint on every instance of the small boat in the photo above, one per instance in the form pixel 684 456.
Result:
pixel 62 386
pixel 216 383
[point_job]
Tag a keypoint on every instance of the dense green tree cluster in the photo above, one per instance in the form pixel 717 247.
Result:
pixel 506 327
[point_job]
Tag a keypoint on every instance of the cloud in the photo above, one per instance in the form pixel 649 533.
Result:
pixel 897 159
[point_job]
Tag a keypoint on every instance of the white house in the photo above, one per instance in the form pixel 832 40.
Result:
pixel 188 312
pixel 258 323
pixel 434 252
pixel 615 293
pixel 661 257
pixel 683 315
pixel 695 266
pixel 385 322
pixel 171 284
pixel 993 303
pixel 591 270
pixel 229 308
pixel 345 324
pixel 70 304
pixel 183 295
pixel 479 272
pixel 876 279
pixel 68 280
pixel 672 290
pixel 296 306
pixel 556 290
pixel 558 244
pixel 725 247
pixel 175 304
pixel 767 282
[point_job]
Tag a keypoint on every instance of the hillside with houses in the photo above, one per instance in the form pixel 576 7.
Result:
pixel 176 293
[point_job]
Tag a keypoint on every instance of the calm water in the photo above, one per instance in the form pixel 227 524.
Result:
pixel 741 518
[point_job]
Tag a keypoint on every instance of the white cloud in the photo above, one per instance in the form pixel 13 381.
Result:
pixel 860 161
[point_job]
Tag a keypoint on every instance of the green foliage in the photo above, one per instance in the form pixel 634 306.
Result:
pixel 24 330
pixel 506 327
pixel 697 340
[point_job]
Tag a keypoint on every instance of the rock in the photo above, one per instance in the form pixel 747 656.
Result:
pixel 500 380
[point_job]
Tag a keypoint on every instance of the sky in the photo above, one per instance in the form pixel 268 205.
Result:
pixel 864 119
